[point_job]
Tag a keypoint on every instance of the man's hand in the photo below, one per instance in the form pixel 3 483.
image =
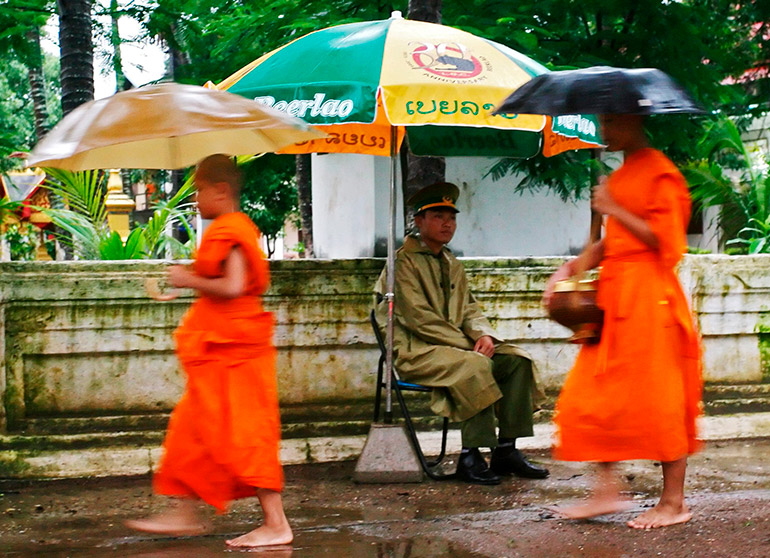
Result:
pixel 485 345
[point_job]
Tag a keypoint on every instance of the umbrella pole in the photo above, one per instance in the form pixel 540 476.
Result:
pixel 391 277
pixel 388 454
pixel 596 218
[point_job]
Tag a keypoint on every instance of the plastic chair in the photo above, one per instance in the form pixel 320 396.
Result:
pixel 398 387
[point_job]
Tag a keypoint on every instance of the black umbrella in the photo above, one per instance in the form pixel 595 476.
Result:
pixel 600 90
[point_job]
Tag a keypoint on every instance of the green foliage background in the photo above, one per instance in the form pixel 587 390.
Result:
pixel 699 42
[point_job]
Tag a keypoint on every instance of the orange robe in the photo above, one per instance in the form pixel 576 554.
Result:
pixel 224 434
pixel 637 393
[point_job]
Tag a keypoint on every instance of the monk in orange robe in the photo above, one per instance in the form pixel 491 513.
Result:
pixel 636 394
pixel 223 437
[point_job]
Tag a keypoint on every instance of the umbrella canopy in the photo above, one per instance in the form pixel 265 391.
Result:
pixel 166 126
pixel 368 84
pixel 600 90
pixel 356 81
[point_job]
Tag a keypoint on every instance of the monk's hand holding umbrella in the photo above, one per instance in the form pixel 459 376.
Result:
pixel 152 286
pixel 178 276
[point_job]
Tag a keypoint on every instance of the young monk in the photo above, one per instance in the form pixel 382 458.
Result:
pixel 223 437
pixel 637 393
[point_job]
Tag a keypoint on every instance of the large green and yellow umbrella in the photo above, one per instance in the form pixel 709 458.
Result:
pixel 368 84
pixel 436 83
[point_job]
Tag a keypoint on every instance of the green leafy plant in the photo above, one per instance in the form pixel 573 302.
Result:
pixel 22 241
pixel 84 220
pixel 167 214
pixel 298 248
pixel 112 247
pixel 7 206
pixel 755 237
pixel 730 176
pixel 269 194
pixel 568 175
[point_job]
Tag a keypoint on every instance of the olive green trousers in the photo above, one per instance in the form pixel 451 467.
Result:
pixel 513 411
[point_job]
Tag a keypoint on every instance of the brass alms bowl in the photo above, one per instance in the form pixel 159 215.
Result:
pixel 573 305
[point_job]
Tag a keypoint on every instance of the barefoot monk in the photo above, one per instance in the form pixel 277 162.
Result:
pixel 636 394
pixel 224 434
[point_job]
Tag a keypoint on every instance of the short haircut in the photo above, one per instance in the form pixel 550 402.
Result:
pixel 220 168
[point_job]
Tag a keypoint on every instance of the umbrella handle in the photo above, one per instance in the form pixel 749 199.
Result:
pixel 596 227
pixel 595 231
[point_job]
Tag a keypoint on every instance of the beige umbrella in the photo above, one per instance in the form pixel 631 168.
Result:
pixel 166 126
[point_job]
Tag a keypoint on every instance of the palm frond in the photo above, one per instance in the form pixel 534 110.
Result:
pixel 166 214
pixel 176 249
pixel 6 206
pixel 83 192
pixel 83 236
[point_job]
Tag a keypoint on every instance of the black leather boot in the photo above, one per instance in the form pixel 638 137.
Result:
pixel 507 460
pixel 473 468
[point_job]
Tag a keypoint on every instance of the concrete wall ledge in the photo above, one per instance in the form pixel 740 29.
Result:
pixel 84 352
pixel 142 459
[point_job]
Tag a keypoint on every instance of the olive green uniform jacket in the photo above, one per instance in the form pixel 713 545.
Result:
pixel 437 322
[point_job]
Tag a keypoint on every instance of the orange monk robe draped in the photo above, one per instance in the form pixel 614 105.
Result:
pixel 637 394
pixel 224 434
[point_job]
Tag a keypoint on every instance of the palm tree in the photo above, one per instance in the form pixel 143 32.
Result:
pixel 36 83
pixel 24 43
pixel 77 53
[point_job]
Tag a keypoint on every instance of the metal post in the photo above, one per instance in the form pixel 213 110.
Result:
pixel 391 277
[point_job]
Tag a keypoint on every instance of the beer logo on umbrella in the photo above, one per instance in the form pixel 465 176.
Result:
pixel 447 60
pixel 434 83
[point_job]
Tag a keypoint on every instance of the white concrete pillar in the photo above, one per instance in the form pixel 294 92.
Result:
pixel 350 205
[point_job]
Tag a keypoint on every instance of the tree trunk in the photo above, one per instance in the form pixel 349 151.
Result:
pixel 305 202
pixel 176 59
pixel 121 84
pixel 418 172
pixel 424 10
pixel 37 84
pixel 77 53
pixel 77 66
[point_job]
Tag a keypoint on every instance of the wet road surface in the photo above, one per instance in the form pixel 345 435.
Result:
pixel 728 490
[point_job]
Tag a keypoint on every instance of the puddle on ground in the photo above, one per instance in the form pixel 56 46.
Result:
pixel 321 543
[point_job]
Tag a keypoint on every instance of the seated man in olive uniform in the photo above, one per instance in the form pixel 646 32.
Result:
pixel 442 340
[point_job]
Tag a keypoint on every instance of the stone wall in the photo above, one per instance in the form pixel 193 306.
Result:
pixel 82 340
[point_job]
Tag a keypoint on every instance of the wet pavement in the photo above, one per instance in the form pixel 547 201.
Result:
pixel 728 490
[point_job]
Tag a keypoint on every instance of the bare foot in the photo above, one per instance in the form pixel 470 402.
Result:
pixel 661 515
pixel 180 521
pixel 593 507
pixel 264 536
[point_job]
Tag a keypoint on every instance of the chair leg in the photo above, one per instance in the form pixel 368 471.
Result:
pixel 444 430
pixel 426 466
pixel 378 390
